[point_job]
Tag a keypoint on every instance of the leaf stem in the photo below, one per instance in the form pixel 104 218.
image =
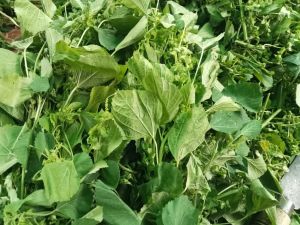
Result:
pixel 82 36
pixel 38 57
pixel 198 65
pixel 245 32
pixel 22 183
pixel 156 151
pixel 25 62
pixel 10 18
pixel 271 117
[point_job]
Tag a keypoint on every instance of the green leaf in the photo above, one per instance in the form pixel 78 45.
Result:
pixel 227 122
pixel 14 142
pixel 32 19
pixel 180 140
pixel 141 5
pixel 108 38
pixel 224 104
pixel 105 137
pixel 43 142
pixel 251 130
pixel 115 211
pixel 180 212
pixel 111 174
pixel 196 180
pixel 14 90
pixel 61 180
pixel 52 38
pixel 134 35
pixel 138 113
pixel 83 163
pixel 93 217
pixel 39 84
pixel 93 64
pixel 249 95
pixel 98 95
pixel 10 63
pixel 37 198
pixel 256 167
pixel 73 134
pixel 298 95
pixel 258 198
pixel 49 7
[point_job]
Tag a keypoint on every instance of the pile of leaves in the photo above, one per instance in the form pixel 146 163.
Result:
pixel 143 112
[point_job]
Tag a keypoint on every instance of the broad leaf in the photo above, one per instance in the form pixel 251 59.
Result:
pixel 14 142
pixel 93 217
pixel 32 19
pixel 227 122
pixel 188 132
pixel 10 63
pixel 115 211
pixel 298 95
pixel 180 212
pixel 141 5
pixel 98 95
pixel 134 35
pixel 92 63
pixel 251 130
pixel 137 112
pixel 256 167
pixel 83 163
pixel 249 95
pixel 43 142
pixel 61 180
pixel 14 90
pixel 49 7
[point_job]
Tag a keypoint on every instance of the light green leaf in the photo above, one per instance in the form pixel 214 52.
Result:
pixel 224 104
pixel 10 63
pixel 115 211
pixel 188 132
pixel 180 212
pixel 52 37
pixel 196 180
pixel 256 167
pixel 134 35
pixel 298 95
pixel 14 142
pixel 93 217
pixel 93 63
pixel 83 163
pixel 138 113
pixel 14 90
pixel 98 95
pixel 61 180
pixel 141 5
pixel 156 78
pixel 249 95
pixel 39 84
pixel 227 122
pixel 23 44
pixel 251 129
pixel 49 7
pixel 105 137
pixel 31 18
pixel 43 142
pixel 108 38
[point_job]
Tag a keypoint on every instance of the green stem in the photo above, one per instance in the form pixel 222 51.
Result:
pixel 244 26
pixel 11 19
pixel 271 117
pixel 38 57
pixel 25 62
pixel 156 151
pixel 198 66
pixel 22 183
pixel 82 36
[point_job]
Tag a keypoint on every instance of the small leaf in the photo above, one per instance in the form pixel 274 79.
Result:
pixel 180 212
pixel 32 19
pixel 43 142
pixel 98 95
pixel 251 130
pixel 227 122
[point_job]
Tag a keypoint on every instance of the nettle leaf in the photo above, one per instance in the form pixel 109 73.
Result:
pixel 93 63
pixel 188 132
pixel 251 130
pixel 14 142
pixel 134 35
pixel 115 211
pixel 14 90
pixel 61 180
pixel 10 63
pixel 32 19
pixel 227 122
pixel 138 113
pixel 180 211
pixel 248 95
